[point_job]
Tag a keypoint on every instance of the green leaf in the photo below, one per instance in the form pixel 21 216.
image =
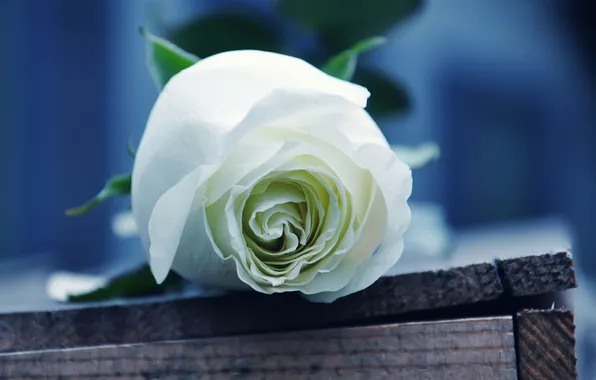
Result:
pixel 165 59
pixel 343 65
pixel 417 157
pixel 220 32
pixel 387 97
pixel 344 22
pixel 117 186
pixel 137 283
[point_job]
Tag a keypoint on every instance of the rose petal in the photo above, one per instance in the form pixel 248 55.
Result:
pixel 196 259
pixel 169 218
pixel 224 87
pixel 395 192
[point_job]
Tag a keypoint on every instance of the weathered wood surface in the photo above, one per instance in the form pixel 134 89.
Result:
pixel 252 313
pixel 546 345
pixel 463 349
pixel 538 274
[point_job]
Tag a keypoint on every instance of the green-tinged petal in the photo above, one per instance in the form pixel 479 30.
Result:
pixel 265 213
pixel 117 186
pixel 165 59
pixel 343 65
pixel 417 157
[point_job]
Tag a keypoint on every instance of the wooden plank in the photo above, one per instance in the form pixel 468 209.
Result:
pixel 208 317
pixel 546 345
pixel 205 317
pixel 538 274
pixel 462 349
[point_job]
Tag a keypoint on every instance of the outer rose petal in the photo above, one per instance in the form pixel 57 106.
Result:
pixel 224 87
pixel 169 218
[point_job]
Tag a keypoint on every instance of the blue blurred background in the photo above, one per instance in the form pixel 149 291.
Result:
pixel 505 88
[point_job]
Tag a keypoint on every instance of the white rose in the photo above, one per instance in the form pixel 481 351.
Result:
pixel 257 170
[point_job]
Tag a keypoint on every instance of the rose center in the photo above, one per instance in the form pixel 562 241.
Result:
pixel 274 218
pixel 296 222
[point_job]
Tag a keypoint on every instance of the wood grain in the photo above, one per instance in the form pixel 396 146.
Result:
pixel 251 313
pixel 546 345
pixel 542 274
pixel 463 349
